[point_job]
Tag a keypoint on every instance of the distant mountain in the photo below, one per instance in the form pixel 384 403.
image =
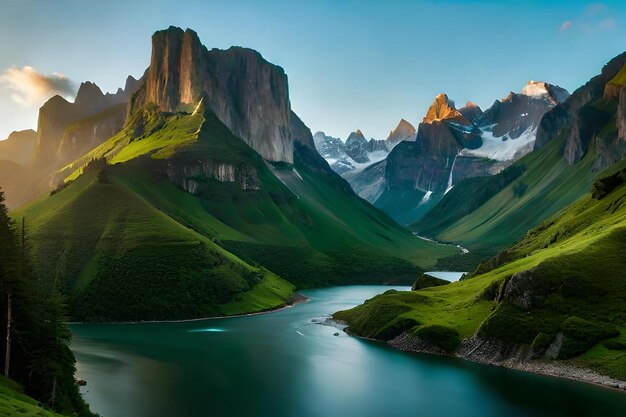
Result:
pixel 18 147
pixel 510 125
pixel 65 132
pixel 352 156
pixel 403 131
pixel 359 161
pixel 176 216
pixel 453 144
pixel 575 140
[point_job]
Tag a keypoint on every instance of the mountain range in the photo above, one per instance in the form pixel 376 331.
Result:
pixel 177 198
pixel 449 146
pixel 555 220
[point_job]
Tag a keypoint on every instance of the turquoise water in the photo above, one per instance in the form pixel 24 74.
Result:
pixel 281 364
pixel 447 275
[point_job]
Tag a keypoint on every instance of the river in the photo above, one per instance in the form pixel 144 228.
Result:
pixel 282 364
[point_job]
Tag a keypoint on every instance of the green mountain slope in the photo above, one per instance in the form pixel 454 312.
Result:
pixel 563 285
pixel 185 220
pixel 14 403
pixel 494 212
pixel 122 259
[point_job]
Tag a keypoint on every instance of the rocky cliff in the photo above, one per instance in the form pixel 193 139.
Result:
pixel 66 130
pixel 584 114
pixel 427 163
pixel 248 94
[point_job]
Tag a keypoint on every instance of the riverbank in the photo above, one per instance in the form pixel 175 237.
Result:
pixel 470 350
pixel 295 299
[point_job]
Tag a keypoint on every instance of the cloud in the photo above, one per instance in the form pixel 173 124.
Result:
pixel 607 24
pixel 31 88
pixel 594 18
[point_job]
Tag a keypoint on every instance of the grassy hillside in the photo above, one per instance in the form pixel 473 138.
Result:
pixel 112 248
pixel 175 217
pixel 569 280
pixel 14 403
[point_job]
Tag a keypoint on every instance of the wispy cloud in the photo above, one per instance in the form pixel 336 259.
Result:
pixel 29 87
pixel 607 24
pixel 595 17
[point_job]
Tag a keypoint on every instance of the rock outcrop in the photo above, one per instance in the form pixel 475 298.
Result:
pixel 581 129
pixel 247 93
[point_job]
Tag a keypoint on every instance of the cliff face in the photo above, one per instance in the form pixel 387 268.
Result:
pixel 621 115
pixel 248 94
pixel 84 135
pixel 426 164
pixel 67 130
pixel 577 114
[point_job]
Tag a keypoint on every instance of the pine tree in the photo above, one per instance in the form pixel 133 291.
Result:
pixel 8 271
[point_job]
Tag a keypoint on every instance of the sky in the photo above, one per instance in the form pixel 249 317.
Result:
pixel 351 64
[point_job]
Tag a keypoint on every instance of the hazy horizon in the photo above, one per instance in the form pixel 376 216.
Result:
pixel 337 55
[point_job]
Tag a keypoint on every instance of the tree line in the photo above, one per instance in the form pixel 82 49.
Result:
pixel 34 334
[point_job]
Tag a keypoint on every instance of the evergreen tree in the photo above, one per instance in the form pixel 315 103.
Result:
pixel 33 321
pixel 8 271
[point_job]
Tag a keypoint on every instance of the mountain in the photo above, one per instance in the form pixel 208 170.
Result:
pixel 403 131
pixel 358 160
pixel 556 295
pixel 494 213
pixel 510 125
pixel 65 131
pixel 454 144
pixel 176 216
pixel 18 147
pixel 351 157
pixel 248 94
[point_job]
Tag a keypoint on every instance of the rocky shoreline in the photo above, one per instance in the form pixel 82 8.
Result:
pixel 518 358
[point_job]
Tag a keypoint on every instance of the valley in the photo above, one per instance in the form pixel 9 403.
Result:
pixel 179 242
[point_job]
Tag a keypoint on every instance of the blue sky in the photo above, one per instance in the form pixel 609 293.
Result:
pixel 351 64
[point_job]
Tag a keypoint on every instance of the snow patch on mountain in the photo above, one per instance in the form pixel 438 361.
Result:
pixel 503 148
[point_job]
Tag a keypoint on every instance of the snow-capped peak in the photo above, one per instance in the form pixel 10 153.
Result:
pixel 540 89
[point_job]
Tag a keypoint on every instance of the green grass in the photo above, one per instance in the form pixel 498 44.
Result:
pixel 123 231
pixel 551 185
pixel 620 78
pixel 492 213
pixel 148 133
pixel 111 247
pixel 14 403
pixel 579 287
